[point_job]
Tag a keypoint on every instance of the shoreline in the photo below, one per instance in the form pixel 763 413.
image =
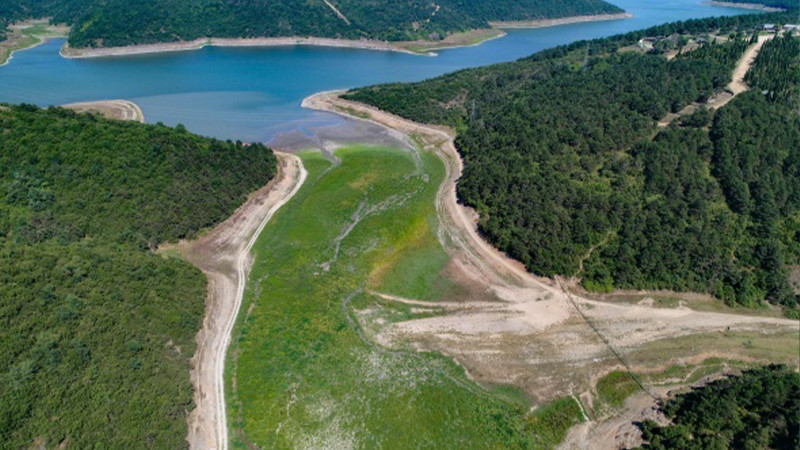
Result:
pixel 197 44
pixel 752 6
pixel 52 32
pixel 363 44
pixel 545 23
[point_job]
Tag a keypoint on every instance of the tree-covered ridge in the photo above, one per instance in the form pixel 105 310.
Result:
pixel 562 166
pixel 96 331
pixel 760 409
pixel 165 185
pixel 120 22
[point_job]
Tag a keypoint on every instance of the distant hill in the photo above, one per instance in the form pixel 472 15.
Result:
pixel 783 4
pixel 110 23
pixel 96 331
pixel 568 170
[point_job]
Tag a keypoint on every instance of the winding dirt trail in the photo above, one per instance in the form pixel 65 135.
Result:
pixel 224 256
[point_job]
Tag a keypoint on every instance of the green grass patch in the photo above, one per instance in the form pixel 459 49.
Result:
pixel 614 388
pixel 305 374
pixel 550 423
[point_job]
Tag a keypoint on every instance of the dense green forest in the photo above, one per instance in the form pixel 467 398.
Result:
pixel 96 331
pixel 121 22
pixel 565 164
pixel 757 410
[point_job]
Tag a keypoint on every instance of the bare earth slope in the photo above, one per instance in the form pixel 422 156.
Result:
pixel 224 256
pixel 110 109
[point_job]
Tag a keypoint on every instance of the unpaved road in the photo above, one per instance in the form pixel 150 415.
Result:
pixel 734 88
pixel 224 256
pixel 110 109
pixel 737 84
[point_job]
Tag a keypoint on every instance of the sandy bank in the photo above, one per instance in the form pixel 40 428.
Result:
pixel 559 21
pixel 111 109
pixel 754 6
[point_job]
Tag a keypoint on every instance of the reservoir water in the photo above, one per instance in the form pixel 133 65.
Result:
pixel 254 93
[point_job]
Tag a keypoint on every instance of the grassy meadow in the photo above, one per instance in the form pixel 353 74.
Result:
pixel 300 372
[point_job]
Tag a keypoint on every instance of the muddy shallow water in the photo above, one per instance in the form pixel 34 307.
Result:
pixel 348 132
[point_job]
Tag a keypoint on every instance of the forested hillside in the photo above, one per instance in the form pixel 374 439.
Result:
pixel 96 331
pixel 120 22
pixel 757 410
pixel 564 163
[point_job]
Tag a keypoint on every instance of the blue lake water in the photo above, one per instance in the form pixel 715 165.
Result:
pixel 254 93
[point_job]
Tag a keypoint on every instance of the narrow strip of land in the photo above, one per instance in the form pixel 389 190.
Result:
pixel 224 256
pixel 753 6
pixel 541 23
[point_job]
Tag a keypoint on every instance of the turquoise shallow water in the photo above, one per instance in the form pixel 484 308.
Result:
pixel 254 93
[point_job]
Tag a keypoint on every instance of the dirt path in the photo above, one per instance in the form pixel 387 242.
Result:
pixel 111 109
pixel 224 256
pixel 734 88
pixel 737 84
pixel 336 11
